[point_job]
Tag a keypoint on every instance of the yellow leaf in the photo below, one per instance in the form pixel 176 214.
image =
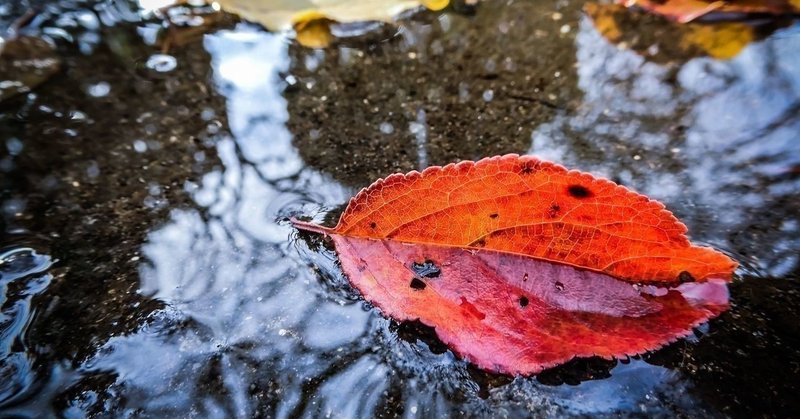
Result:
pixel 283 14
pixel 604 22
pixel 640 32
pixel 315 33
pixel 723 40
pixel 440 4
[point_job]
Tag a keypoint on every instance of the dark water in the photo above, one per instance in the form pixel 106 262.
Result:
pixel 146 269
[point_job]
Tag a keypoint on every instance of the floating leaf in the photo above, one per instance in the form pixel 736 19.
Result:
pixel 520 264
pixel 641 32
pixel 311 18
pixel 688 10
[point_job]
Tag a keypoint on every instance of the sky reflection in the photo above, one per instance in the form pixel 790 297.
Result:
pixel 249 329
pixel 257 319
pixel 239 300
pixel 719 164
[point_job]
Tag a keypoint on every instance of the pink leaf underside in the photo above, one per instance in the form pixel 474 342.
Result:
pixel 518 315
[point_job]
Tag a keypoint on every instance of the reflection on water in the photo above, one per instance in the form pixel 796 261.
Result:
pixel 249 329
pixel 235 314
pixel 714 140
pixel 244 317
pixel 23 275
pixel 439 91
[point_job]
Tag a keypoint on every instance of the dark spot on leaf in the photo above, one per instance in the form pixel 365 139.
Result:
pixel 480 243
pixel 559 286
pixel 580 192
pixel 554 210
pixel 427 269
pixel 525 277
pixel 417 284
pixel 685 277
pixel 528 168
pixel 495 215
pixel 373 225
pixel 523 301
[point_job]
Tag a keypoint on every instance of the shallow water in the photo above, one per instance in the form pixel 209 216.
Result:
pixel 147 268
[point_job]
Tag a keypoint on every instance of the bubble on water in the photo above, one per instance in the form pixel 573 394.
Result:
pixel 99 89
pixel 87 42
pixel 14 207
pixel 190 186
pixel 213 127
pixel 313 60
pixel 14 146
pixel 140 146
pixel 88 20
pixel 161 63
pixel 488 95
pixel 207 114
pixel 154 189
pixel 386 128
pixel 77 116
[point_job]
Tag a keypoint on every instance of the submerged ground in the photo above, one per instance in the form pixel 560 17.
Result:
pixel 146 267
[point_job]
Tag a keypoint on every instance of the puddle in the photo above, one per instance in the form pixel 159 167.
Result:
pixel 160 181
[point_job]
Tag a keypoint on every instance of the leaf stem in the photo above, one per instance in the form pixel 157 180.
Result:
pixel 314 228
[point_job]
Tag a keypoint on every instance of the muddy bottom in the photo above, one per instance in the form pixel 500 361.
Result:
pixel 147 268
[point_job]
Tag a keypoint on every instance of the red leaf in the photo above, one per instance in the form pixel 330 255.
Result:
pixel 534 208
pixel 508 259
pixel 687 10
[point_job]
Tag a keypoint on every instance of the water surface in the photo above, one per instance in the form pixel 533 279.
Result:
pixel 147 269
